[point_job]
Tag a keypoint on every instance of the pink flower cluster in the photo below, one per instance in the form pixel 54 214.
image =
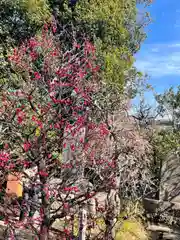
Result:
pixel 103 129
pixel 38 122
pixel 26 146
pixel 20 115
pixel 69 189
pixel 4 158
pixel 43 174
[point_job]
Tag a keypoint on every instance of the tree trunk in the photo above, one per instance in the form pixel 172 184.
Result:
pixel 113 208
pixel 45 213
pixel 110 229
pixel 82 224
pixel 44 233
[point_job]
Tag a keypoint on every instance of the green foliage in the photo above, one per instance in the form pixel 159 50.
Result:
pixel 113 26
pixel 170 103
pixel 165 141
pixel 108 18
pixel 37 11
pixel 115 66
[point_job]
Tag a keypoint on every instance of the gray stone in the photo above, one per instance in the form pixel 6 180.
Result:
pixel 171 236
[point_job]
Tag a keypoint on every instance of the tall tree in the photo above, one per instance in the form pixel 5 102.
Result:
pixel 170 103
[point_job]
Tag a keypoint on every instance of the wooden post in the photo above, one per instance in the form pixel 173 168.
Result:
pixel 82 223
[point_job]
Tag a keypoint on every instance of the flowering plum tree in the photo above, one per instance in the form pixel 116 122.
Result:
pixel 42 119
pixel 56 126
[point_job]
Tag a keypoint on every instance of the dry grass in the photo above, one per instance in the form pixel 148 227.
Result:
pixel 132 229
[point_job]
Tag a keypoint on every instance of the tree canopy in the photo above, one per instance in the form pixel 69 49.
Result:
pixel 111 25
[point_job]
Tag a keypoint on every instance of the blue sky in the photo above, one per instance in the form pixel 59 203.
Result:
pixel 159 55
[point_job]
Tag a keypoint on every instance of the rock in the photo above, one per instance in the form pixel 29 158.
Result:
pixel 171 236
pixel 156 228
pixel 151 205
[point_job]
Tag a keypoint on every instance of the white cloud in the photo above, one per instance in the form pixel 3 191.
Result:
pixel 155 49
pixel 173 45
pixel 159 60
